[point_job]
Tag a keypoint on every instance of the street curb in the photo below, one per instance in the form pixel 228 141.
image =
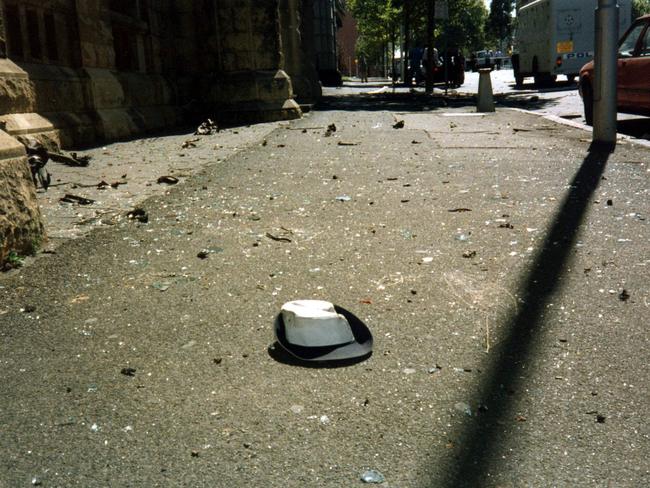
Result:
pixel 578 125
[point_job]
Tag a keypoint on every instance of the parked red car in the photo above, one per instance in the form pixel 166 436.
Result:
pixel 633 73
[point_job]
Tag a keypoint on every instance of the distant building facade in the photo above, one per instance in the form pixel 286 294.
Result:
pixel 346 40
pixel 327 20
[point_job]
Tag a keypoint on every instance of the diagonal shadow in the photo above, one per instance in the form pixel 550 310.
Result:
pixel 501 374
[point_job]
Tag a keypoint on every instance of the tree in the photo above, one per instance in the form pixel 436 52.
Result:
pixel 378 22
pixel 465 28
pixel 499 24
pixel 640 7
pixel 378 25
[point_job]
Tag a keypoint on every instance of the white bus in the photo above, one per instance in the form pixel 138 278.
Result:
pixel 556 37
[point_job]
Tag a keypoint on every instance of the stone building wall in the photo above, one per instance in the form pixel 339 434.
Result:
pixel 298 49
pixel 21 229
pixel 80 72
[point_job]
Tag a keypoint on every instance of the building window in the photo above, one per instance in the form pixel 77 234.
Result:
pixel 33 34
pixel 14 36
pixel 50 38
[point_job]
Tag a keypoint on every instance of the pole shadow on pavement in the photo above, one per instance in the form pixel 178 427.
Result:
pixel 480 438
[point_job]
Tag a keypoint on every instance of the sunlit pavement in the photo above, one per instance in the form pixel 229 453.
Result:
pixel 500 263
pixel 561 100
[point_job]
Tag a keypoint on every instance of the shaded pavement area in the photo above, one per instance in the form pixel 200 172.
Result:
pixel 499 260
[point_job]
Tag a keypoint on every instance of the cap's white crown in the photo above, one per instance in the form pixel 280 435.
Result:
pixel 315 323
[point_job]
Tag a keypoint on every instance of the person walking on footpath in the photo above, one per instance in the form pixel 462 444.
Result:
pixel 363 68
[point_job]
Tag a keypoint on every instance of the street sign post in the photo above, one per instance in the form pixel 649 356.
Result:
pixel 605 65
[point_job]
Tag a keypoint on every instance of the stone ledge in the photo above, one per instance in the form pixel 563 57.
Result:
pixel 21 228
pixel 10 147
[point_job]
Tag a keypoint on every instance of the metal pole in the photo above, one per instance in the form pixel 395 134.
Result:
pixel 430 27
pixel 605 61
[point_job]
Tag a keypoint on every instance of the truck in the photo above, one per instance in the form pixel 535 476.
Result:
pixel 557 37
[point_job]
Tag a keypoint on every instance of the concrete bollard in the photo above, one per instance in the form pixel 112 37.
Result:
pixel 485 98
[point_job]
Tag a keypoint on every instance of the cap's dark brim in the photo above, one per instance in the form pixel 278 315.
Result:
pixel 361 345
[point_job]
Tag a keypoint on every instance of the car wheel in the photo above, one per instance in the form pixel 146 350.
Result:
pixel 570 78
pixel 536 74
pixel 519 79
pixel 588 102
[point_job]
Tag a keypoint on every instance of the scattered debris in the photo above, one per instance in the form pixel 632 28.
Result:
pixel 217 360
pixel 194 453
pixel 70 198
pixel 344 143
pixel 102 185
pixel 138 214
pixel 72 160
pixel 206 128
pixel 520 418
pixel 202 254
pixel 610 202
pixel 343 198
pixel 415 142
pixel 383 89
pixel 28 309
pixel 277 238
pixel 162 286
pixel 128 371
pixel 80 298
pixel 330 130
pixel 507 225
pixel 398 125
pixel 189 143
pixel 624 295
pixel 460 209
pixel 469 254
pixel 372 476
pixel 600 419
pixel 169 180
pixel 464 408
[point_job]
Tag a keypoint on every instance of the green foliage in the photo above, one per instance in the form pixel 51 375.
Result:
pixel 499 23
pixel 640 7
pixel 14 260
pixel 465 28
pixel 379 22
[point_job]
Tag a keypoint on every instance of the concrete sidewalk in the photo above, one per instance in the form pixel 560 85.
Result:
pixel 501 266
